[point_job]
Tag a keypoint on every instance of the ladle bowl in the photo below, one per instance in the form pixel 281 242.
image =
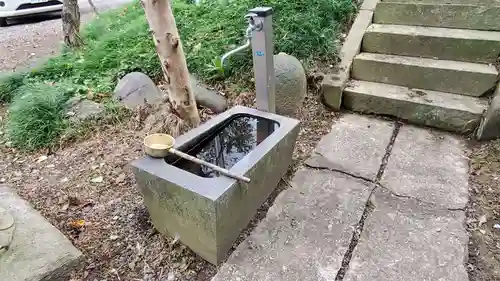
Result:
pixel 158 145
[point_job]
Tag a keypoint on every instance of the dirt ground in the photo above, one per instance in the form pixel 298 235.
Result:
pixel 88 192
pixel 483 212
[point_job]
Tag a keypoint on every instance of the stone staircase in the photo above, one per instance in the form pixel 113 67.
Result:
pixel 431 62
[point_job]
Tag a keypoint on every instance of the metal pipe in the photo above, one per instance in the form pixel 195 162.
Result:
pixel 248 35
pixel 230 53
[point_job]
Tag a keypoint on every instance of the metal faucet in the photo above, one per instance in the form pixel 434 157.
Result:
pixel 252 26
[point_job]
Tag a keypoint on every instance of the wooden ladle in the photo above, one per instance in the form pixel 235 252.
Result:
pixel 160 145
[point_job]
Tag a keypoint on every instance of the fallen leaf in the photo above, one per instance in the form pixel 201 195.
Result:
pixel 77 224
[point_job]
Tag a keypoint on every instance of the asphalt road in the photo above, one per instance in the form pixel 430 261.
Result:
pixel 27 40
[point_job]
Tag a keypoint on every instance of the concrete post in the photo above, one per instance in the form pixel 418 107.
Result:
pixel 263 65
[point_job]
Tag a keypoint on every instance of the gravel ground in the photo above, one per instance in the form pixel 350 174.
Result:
pixel 27 40
pixel 483 212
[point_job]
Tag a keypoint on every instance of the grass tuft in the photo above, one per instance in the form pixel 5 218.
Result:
pixel 36 117
pixel 9 83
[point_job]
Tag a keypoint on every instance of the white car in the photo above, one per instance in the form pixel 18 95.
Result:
pixel 18 8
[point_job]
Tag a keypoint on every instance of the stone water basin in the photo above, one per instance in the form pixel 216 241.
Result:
pixel 207 211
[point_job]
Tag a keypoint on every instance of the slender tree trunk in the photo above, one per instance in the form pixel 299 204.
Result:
pixel 94 8
pixel 173 62
pixel 71 23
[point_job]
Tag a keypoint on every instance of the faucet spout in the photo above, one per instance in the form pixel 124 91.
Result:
pixel 232 52
pixel 240 48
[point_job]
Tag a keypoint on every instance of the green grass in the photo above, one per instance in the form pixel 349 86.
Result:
pixel 36 117
pixel 118 42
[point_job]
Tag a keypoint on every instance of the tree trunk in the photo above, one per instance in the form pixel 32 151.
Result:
pixel 71 23
pixel 169 48
pixel 94 8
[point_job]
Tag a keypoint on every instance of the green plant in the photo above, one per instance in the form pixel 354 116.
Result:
pixel 9 83
pixel 36 117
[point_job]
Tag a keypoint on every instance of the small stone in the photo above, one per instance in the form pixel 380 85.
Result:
pixel 51 166
pixel 98 179
pixel 85 109
pixel 42 158
pixel 496 226
pixel 482 231
pixel 64 180
pixel 170 276
pixel 113 237
pixel 120 178
pixel 482 220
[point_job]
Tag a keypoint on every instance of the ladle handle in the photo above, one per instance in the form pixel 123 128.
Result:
pixel 210 165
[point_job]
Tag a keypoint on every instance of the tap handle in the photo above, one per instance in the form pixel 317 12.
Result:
pixel 251 21
pixel 250 17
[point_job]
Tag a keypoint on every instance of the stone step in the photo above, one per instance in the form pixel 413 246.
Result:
pixel 438 75
pixel 431 42
pixel 439 15
pixel 445 111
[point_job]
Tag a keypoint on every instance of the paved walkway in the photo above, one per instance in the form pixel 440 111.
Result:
pixel 378 201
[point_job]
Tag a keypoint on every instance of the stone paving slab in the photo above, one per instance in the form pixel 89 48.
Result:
pixel 430 166
pixel 38 252
pixel 306 232
pixel 355 145
pixel 404 239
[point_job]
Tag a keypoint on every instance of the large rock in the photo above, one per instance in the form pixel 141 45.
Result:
pixel 207 98
pixel 291 84
pixel 38 251
pixel 137 88
pixel 490 125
